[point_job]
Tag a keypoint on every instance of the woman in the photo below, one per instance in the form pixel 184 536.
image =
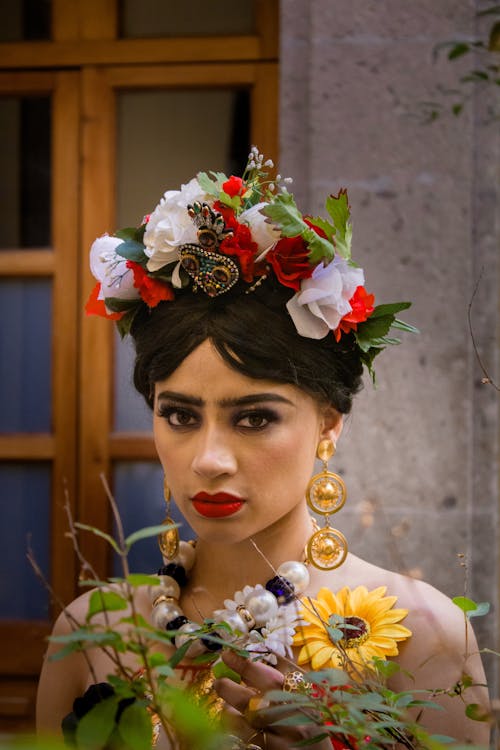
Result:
pixel 251 329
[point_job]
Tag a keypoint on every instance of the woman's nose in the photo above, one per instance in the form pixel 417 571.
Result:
pixel 213 456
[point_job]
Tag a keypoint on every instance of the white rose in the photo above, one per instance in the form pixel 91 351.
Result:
pixel 111 270
pixel 263 231
pixel 170 225
pixel 323 299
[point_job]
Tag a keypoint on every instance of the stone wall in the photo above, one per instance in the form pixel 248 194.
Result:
pixel 420 452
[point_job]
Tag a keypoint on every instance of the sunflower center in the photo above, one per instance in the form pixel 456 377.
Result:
pixel 356 632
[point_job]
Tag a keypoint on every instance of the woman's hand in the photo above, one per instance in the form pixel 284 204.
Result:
pixel 253 726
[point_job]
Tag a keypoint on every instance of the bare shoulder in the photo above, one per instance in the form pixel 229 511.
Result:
pixel 64 679
pixel 441 656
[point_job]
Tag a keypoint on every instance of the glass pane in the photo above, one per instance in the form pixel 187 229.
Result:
pixel 131 412
pixel 24 20
pixel 25 179
pixel 161 145
pixel 25 355
pixel 25 508
pixel 146 18
pixel 138 489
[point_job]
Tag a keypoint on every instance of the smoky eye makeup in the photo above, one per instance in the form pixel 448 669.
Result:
pixel 177 415
pixel 255 419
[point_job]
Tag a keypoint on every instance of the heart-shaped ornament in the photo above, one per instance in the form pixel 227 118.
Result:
pixel 213 272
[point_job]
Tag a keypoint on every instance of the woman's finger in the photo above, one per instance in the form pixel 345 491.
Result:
pixel 261 677
pixel 237 696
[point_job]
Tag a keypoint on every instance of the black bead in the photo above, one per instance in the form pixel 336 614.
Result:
pixel 177 572
pixel 176 623
pixel 211 645
pixel 283 590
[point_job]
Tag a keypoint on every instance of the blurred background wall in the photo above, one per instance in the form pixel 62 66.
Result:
pixel 359 84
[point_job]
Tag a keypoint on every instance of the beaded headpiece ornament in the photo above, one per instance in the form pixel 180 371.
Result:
pixel 218 234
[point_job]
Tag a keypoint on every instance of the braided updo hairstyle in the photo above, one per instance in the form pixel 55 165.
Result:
pixel 254 334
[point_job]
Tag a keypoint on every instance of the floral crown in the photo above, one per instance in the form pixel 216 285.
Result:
pixel 216 233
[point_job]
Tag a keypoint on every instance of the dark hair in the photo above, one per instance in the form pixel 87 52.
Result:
pixel 254 334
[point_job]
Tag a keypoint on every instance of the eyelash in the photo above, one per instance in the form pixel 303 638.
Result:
pixel 266 415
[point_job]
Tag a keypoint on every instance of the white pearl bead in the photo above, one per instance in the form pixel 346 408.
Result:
pixel 170 587
pixel 295 572
pixel 233 619
pixel 164 612
pixel 185 556
pixel 183 635
pixel 263 606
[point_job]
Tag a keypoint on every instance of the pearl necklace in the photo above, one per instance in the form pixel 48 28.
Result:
pixel 255 611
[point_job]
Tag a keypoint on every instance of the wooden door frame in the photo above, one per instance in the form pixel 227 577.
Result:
pixel 99 445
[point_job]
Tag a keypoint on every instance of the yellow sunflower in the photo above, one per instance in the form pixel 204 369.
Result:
pixel 373 628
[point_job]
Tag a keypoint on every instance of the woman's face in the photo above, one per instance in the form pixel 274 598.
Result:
pixel 237 452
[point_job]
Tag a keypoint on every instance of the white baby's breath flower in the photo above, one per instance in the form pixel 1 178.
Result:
pixel 111 270
pixel 170 225
pixel 323 299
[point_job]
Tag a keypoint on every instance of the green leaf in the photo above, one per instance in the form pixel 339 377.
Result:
pixel 133 234
pixel 222 670
pixel 459 49
pixel 132 250
pixel 233 202
pixel 286 215
pixel 210 185
pixel 86 635
pixel 319 248
pixel 482 609
pixel 99 533
pixel 327 228
pixel 141 579
pixel 338 208
pixel 93 582
pixel 179 655
pixel 117 304
pixel 192 722
pixel 135 727
pixel 389 309
pixel 95 728
pixel 147 532
pixel 465 604
pixel 402 326
pixel 386 668
pixel 476 712
pixel 156 659
pixel 105 601
pixel 125 323
pixel 138 621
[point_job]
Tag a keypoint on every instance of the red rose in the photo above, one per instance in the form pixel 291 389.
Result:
pixel 290 261
pixel 96 306
pixel 234 186
pixel 245 249
pixel 362 307
pixel 152 290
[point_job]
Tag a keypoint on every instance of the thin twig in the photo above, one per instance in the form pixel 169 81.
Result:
pixel 72 621
pixel 486 380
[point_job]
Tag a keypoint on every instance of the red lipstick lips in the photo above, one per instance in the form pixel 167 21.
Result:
pixel 219 505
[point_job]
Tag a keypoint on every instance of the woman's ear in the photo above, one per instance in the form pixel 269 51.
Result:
pixel 331 425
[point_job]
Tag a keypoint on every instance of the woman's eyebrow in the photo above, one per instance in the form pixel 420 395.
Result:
pixel 251 398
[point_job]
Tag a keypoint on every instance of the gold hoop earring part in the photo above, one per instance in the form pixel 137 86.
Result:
pixel 326 494
pixel 168 540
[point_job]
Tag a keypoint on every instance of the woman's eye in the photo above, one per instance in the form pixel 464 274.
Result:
pixel 177 417
pixel 257 420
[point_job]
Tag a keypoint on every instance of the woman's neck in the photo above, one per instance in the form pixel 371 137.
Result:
pixel 222 569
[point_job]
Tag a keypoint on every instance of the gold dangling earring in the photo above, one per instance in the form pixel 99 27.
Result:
pixel 168 540
pixel 326 494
